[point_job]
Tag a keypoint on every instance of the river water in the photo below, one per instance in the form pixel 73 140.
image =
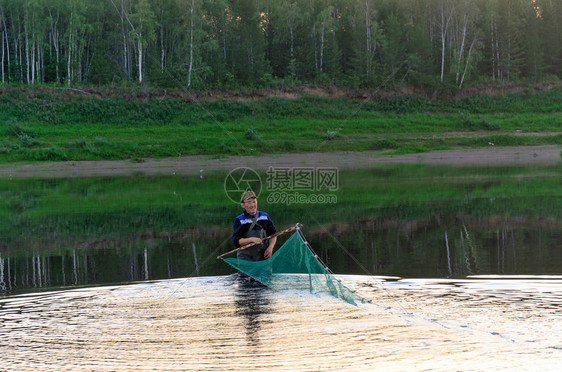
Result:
pixel 219 323
pixel 461 269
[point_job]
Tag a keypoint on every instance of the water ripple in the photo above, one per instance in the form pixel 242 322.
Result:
pixel 215 323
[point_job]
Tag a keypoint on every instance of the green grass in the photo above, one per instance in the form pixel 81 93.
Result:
pixel 54 128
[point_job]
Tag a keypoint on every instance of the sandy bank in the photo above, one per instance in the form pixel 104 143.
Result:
pixel 194 165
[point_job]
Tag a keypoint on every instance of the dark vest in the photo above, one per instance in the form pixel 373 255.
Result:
pixel 254 253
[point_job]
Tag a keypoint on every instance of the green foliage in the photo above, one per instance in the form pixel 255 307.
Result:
pixel 55 126
pixel 252 135
pixel 48 154
pixel 468 122
pixel 330 135
pixel 27 141
pixel 14 129
pixel 249 44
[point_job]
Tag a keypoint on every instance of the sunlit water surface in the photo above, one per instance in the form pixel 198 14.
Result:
pixel 217 323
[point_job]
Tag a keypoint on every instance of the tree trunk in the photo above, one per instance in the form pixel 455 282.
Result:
pixel 3 44
pixel 32 62
pixel 26 51
pixel 140 58
pixel 291 33
pixel 17 51
pixel 461 51
pixel 162 50
pixel 8 53
pixel 467 62
pixel 321 47
pixel 315 48
pixel 57 54
pixel 3 80
pixel 79 57
pixel 69 55
pixel 126 61
pixel 192 29
pixel 492 48
pixel 40 64
pixel 498 60
pixel 444 30
pixel 442 54
pixel 224 42
pixel 125 53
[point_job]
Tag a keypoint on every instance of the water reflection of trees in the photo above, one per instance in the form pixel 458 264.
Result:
pixel 498 249
pixel 126 262
pixel 434 247
pixel 443 247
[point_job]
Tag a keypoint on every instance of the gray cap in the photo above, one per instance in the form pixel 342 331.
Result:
pixel 248 194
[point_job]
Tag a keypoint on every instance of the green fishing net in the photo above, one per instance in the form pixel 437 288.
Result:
pixel 295 266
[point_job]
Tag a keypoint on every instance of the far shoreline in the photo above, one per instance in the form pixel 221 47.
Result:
pixel 343 160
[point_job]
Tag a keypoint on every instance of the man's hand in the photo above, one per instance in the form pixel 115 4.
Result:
pixel 246 241
pixel 268 252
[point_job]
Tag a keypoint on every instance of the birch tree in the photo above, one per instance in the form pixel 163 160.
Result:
pixel 4 44
pixel 464 40
pixel 368 35
pixel 445 13
pixel 290 17
pixel 74 40
pixel 53 22
pixel 123 9
pixel 324 25
pixel 143 25
pixel 192 15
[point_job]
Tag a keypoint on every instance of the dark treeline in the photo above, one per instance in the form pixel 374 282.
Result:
pixel 200 44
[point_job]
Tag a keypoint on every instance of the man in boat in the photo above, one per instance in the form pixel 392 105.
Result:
pixel 251 227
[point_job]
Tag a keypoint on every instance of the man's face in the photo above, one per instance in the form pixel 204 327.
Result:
pixel 250 205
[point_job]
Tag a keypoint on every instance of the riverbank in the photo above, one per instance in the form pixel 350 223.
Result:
pixel 199 164
pixel 51 127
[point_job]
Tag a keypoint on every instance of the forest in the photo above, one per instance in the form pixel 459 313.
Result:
pixel 227 44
